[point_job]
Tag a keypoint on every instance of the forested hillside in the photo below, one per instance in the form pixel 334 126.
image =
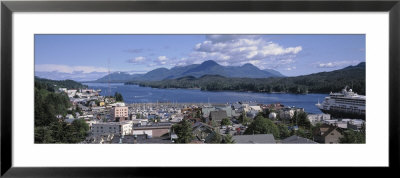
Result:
pixel 323 82
pixel 48 105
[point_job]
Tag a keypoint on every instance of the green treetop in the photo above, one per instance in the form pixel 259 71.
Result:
pixel 184 131
pixel 118 97
pixel 225 121
pixel 262 125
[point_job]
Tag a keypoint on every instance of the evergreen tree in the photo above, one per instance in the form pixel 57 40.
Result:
pixel 283 131
pixel 118 97
pixel 228 139
pixel 217 138
pixel 243 119
pixel 184 131
pixel 43 135
pixel 225 121
pixel 48 104
pixel 351 136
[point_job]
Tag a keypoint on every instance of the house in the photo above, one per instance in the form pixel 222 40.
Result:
pixel 202 131
pixel 294 139
pixel 217 116
pixel 206 110
pixel 228 109
pixel 237 107
pixel 255 139
pixel 327 134
pixel 288 112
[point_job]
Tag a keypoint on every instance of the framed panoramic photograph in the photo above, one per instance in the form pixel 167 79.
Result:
pixel 102 88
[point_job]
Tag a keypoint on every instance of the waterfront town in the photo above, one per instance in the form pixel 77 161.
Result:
pixel 111 121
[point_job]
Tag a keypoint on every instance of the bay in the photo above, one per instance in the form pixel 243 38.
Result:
pixel 137 94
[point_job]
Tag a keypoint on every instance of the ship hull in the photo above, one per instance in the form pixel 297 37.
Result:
pixel 341 114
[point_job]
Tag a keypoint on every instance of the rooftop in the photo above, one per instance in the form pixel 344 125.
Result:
pixel 296 139
pixel 140 139
pixel 112 123
pixel 254 139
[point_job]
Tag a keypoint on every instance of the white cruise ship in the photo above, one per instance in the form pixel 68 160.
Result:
pixel 345 104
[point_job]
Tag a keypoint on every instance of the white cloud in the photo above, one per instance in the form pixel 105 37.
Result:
pixel 255 62
pixel 329 64
pixel 290 68
pixel 162 58
pixel 336 64
pixel 68 69
pixel 241 49
pixel 152 64
pixel 137 59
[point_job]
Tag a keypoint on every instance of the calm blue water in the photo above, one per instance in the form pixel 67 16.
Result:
pixel 136 94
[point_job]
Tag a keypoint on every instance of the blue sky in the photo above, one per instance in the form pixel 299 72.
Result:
pixel 292 55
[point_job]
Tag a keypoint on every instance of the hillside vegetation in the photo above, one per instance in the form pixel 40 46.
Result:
pixel 323 82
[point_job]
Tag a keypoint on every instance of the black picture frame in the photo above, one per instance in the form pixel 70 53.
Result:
pixel 8 7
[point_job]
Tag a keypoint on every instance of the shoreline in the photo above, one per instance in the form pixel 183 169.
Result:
pixel 241 91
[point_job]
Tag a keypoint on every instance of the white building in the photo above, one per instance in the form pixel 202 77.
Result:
pixel 316 118
pixel 288 112
pixel 71 93
pixel 140 121
pixel 122 128
pixel 256 108
pixel 90 123
pixel 272 115
pixel 119 104
pixel 63 90
pixel 149 133
pixel 342 124
pixel 98 109
pixel 355 124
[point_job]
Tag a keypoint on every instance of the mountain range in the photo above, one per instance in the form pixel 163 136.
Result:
pixel 209 67
pixel 322 82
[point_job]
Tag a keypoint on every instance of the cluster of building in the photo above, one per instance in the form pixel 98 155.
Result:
pixel 111 121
